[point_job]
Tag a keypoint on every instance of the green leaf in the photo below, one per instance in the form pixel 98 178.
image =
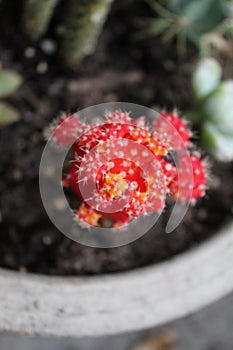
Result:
pixel 219 145
pixel 8 114
pixel 206 77
pixel 158 26
pixel 161 10
pixel 193 10
pixel 9 82
pixel 219 107
pixel 227 7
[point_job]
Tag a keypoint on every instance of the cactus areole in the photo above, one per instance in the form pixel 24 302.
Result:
pixel 122 168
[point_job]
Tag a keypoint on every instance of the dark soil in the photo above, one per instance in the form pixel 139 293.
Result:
pixel 122 69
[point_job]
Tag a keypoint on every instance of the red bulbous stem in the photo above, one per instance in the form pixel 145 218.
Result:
pixel 121 178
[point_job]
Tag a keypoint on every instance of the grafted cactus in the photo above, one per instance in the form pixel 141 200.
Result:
pixel 121 168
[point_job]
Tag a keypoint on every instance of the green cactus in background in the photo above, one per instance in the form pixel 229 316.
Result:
pixel 202 22
pixel 36 16
pixel 215 108
pixel 9 83
pixel 81 24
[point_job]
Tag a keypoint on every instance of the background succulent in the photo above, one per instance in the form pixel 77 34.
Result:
pixel 9 82
pixel 79 27
pixel 36 16
pixel 204 23
pixel 215 108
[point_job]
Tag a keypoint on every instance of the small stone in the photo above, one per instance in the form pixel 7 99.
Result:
pixel 110 97
pixel 202 214
pixel 47 240
pixel 36 138
pixel 30 52
pixel 165 340
pixel 215 182
pixel 48 46
pixel 60 204
pixel 50 171
pixel 169 65
pixel 22 269
pixel 17 174
pixel 105 222
pixel 42 67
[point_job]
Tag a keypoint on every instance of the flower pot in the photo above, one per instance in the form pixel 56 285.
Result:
pixel 110 304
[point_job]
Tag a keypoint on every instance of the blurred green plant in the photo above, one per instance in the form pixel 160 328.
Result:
pixel 205 23
pixel 80 26
pixel 36 16
pixel 9 83
pixel 215 108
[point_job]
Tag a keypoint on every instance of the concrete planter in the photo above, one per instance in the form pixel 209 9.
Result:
pixel 110 304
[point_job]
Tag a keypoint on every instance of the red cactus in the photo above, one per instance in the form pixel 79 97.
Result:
pixel 179 189
pixel 168 125
pixel 65 131
pixel 121 169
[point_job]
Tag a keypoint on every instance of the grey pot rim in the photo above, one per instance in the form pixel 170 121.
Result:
pixel 121 302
